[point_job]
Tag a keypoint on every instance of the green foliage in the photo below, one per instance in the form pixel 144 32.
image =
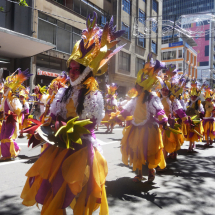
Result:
pixel 22 3
pixel 1 9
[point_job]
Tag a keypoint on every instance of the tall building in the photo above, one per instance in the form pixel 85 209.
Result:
pixel 205 48
pixel 173 9
pixel 59 23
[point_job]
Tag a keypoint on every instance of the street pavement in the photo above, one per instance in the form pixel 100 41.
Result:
pixel 186 187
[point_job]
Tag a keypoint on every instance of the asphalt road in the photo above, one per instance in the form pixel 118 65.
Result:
pixel 187 187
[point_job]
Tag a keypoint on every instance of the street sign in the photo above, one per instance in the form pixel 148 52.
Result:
pixel 180 43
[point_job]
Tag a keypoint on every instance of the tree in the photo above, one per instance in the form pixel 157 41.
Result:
pixel 21 3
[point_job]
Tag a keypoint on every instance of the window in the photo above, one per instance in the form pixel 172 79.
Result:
pixel 141 40
pixel 124 61
pixel 46 61
pixel 168 55
pixel 154 26
pixel 61 2
pixel 46 31
pixel 205 63
pixel 180 66
pixel 142 16
pixel 180 53
pixel 207 50
pixel 64 36
pixel 139 65
pixel 126 28
pixel 154 47
pixel 76 35
pixel 155 6
pixel 126 6
pixel 206 35
pixel 103 20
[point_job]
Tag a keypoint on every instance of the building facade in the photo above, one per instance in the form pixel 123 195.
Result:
pixel 64 33
pixel 60 22
pixel 173 9
pixel 182 55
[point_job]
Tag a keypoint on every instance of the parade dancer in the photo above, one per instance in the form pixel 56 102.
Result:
pixel 11 108
pixel 142 141
pixel 41 100
pixel 23 123
pixel 56 84
pixel 1 99
pixel 131 95
pixel 208 120
pixel 193 132
pixel 53 88
pixel 110 106
pixel 74 174
pixel 171 91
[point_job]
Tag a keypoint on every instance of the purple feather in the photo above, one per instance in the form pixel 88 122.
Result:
pixel 83 50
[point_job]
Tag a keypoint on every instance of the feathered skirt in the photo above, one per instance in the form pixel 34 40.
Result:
pixel 141 145
pixel 65 177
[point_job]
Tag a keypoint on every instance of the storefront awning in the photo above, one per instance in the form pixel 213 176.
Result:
pixel 16 45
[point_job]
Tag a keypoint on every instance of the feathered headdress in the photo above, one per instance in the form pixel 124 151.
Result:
pixel 42 90
pixel 132 93
pixel 59 82
pixel 195 90
pixel 94 50
pixel 176 82
pixel 24 92
pixel 208 92
pixel 14 81
pixel 112 88
pixel 148 76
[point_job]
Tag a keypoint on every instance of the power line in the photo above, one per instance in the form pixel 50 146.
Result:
pixel 47 12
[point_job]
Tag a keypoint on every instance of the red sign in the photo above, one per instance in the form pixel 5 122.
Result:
pixel 51 74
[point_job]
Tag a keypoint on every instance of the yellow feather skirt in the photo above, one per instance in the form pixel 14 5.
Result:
pixel 172 143
pixel 141 144
pixel 62 178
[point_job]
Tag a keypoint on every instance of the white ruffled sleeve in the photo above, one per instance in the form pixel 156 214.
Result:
pixel 55 107
pixel 26 106
pixel 93 107
pixel 155 105
pixel 130 106
pixel 44 99
pixel 15 105
pixel 176 105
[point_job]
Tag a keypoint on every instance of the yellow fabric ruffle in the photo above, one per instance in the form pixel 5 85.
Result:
pixel 172 143
pixel 76 173
pixel 187 129
pixel 106 118
pixel 132 147
pixel 12 148
pixel 211 127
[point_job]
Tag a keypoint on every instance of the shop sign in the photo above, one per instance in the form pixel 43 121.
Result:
pixel 50 74
pixel 180 43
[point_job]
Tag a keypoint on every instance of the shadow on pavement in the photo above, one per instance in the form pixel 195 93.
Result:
pixel 10 206
pixel 188 182
pixel 126 190
pixel 31 160
pixel 114 139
